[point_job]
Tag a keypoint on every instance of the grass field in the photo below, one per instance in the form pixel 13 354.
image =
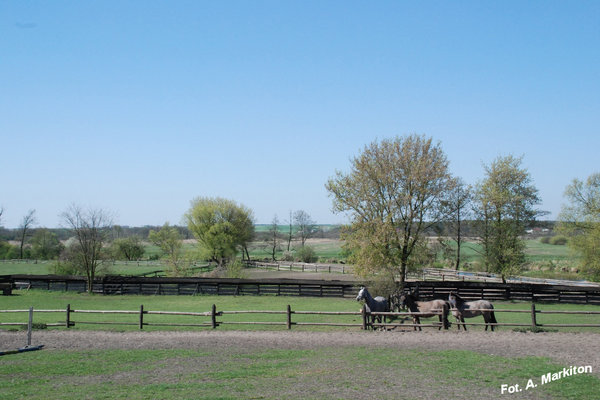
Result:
pixel 59 300
pixel 326 373
pixel 239 372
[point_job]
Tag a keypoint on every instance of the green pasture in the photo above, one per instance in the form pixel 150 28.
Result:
pixel 45 268
pixel 44 300
pixel 325 250
pixel 340 372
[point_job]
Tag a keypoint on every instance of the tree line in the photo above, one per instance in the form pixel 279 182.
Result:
pixel 397 193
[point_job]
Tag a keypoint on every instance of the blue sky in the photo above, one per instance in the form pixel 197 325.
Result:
pixel 137 107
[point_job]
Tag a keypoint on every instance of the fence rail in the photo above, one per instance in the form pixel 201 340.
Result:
pixel 214 318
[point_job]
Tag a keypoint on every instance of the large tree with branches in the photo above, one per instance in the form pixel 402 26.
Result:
pixel 392 193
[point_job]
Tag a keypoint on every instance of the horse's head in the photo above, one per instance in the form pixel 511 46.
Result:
pixel 452 299
pixel 404 299
pixel 361 293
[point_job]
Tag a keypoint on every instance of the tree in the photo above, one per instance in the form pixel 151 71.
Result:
pixel 169 240
pixel 129 248
pixel 290 231
pixel 25 228
pixel 393 193
pixel 580 221
pixel 221 226
pixel 274 237
pixel 305 225
pixel 504 204
pixel 45 245
pixel 457 205
pixel 91 229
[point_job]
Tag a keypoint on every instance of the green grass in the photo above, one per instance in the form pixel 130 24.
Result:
pixel 324 373
pixel 58 300
pixel 537 251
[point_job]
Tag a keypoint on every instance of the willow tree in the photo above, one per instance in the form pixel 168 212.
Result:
pixel 221 226
pixel 580 220
pixel 393 193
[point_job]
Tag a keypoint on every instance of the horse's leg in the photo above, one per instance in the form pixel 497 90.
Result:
pixel 419 323
pixel 486 319
pixel 462 319
pixel 457 321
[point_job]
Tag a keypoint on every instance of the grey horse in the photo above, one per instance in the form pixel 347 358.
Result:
pixel 377 304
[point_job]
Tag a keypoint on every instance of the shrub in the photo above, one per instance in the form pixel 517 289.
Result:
pixel 559 240
pixel 306 254
pixel 287 256
pixel 235 270
pixel 545 240
pixel 66 268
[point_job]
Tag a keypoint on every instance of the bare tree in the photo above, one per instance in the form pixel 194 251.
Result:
pixel 274 237
pixel 457 204
pixel 25 228
pixel 305 224
pixel 91 229
pixel 290 234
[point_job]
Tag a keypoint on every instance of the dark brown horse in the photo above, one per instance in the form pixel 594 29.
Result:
pixel 462 309
pixel 431 308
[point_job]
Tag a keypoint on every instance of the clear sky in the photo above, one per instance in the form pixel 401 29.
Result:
pixel 137 107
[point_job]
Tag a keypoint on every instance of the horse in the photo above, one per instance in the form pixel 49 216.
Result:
pixel 430 308
pixel 462 309
pixel 377 304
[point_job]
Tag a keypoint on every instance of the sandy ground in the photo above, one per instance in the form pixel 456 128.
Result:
pixel 565 348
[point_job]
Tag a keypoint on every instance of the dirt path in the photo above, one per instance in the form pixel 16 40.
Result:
pixel 564 348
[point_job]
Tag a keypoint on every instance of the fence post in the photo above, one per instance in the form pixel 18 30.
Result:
pixel 68 316
pixel 213 316
pixel 141 316
pixel 364 317
pixel 533 318
pixel 29 326
pixel 289 317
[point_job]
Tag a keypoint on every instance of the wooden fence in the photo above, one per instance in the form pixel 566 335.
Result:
pixel 214 318
pixel 507 291
pixel 427 290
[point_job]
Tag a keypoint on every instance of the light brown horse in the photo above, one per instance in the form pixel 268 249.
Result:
pixel 430 308
pixel 462 309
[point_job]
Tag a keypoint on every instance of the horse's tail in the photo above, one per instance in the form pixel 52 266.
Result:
pixel 493 318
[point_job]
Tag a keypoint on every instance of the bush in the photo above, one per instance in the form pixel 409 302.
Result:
pixel 545 240
pixel 559 240
pixel 66 268
pixel 287 256
pixel 306 254
pixel 235 270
